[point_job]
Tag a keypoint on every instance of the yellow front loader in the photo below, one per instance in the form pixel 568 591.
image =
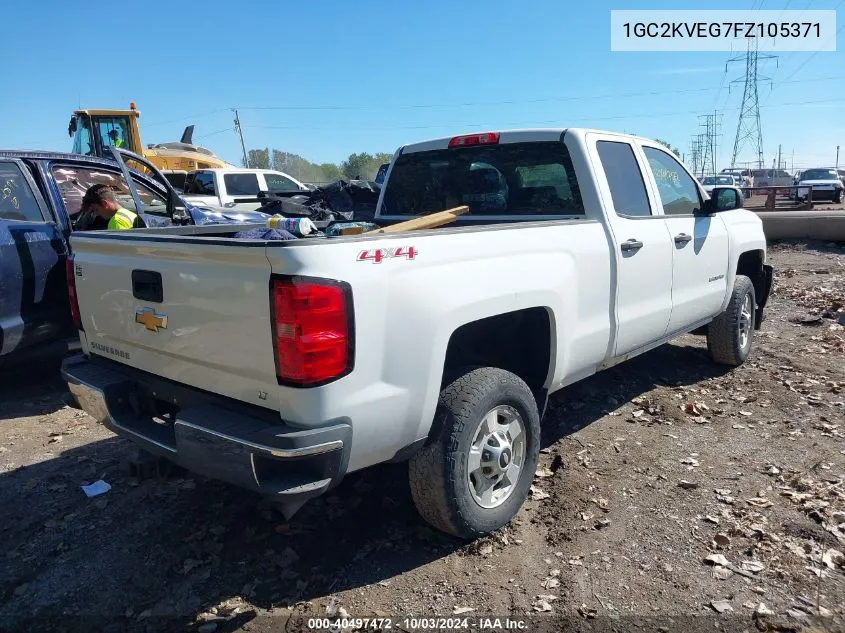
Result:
pixel 93 131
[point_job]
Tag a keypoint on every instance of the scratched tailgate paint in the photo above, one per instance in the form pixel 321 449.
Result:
pixel 212 329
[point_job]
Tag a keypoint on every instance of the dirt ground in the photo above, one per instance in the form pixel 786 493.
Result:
pixel 649 470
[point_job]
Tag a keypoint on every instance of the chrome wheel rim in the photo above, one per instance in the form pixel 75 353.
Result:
pixel 745 321
pixel 496 456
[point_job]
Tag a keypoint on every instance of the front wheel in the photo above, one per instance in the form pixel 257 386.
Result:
pixel 475 472
pixel 837 197
pixel 729 335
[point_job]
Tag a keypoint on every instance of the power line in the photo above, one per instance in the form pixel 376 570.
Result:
pixel 475 103
pixel 790 54
pixel 523 122
pixel 512 102
pixel 807 61
pixel 215 133
pixel 185 118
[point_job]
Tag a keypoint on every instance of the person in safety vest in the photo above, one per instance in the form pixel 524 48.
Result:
pixel 115 138
pixel 101 201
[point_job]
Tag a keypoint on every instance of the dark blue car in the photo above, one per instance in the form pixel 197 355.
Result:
pixel 40 199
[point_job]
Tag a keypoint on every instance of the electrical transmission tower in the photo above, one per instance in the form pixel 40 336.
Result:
pixel 748 130
pixel 708 143
pixel 695 152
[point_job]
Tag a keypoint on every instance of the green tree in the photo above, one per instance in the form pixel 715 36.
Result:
pixel 259 158
pixel 330 172
pixel 356 165
pixel 364 165
pixel 668 146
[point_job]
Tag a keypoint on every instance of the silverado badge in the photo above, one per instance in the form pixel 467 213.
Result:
pixel 151 319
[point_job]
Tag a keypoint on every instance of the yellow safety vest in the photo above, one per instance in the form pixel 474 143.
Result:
pixel 123 219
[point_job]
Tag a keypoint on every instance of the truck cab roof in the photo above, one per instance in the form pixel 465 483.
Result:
pixel 526 135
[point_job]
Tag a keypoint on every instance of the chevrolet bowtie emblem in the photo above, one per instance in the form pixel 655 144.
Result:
pixel 150 319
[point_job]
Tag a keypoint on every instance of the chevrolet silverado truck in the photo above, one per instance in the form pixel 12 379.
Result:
pixel 281 366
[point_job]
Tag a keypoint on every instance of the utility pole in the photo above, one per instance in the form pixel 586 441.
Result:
pixel 779 156
pixel 837 157
pixel 748 128
pixel 241 134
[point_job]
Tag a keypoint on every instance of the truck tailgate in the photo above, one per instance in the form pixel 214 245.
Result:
pixel 197 313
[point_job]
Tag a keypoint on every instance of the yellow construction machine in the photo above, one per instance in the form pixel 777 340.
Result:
pixel 93 131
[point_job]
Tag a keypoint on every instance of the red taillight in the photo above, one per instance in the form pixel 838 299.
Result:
pixel 311 330
pixel 488 138
pixel 71 293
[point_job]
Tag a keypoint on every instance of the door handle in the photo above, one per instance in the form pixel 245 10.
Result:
pixel 682 238
pixel 147 286
pixel 631 245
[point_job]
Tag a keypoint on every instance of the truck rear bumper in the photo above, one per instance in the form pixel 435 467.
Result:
pixel 212 435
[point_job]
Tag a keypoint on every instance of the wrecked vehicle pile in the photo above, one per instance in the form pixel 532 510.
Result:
pixel 339 201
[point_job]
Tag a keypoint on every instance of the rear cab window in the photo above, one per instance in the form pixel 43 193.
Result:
pixel 508 180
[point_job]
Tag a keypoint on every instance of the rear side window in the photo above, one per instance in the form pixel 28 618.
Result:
pixel 277 182
pixel 16 199
pixel 520 179
pixel 241 184
pixel 627 188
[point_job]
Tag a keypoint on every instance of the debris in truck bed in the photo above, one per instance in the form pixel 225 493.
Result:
pixel 430 221
pixel 273 235
pixel 349 228
pixel 339 201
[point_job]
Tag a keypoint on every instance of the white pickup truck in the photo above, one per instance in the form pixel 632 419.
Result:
pixel 282 366
pixel 234 188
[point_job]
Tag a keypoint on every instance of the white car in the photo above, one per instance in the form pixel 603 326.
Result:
pixel 709 182
pixel 236 189
pixel 281 366
pixel 826 184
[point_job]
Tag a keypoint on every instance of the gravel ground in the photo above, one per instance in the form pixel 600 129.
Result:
pixel 669 488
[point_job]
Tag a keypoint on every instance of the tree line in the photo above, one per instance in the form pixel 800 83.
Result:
pixel 356 166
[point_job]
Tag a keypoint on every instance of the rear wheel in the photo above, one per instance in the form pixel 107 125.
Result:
pixel 729 335
pixel 474 474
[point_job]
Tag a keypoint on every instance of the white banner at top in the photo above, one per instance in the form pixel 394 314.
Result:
pixel 722 30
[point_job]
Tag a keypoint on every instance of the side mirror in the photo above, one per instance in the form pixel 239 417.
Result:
pixel 724 199
pixel 176 208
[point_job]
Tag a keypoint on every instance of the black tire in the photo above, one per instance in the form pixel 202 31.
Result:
pixel 438 472
pixel 837 197
pixel 724 340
